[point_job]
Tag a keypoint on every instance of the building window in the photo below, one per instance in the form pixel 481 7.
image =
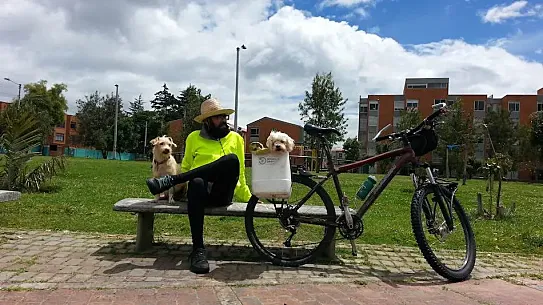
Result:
pixel 479 105
pixel 514 106
pixel 437 85
pixel 255 131
pixel 364 109
pixel 372 120
pixel 450 102
pixel 412 104
pixel 399 105
pixel 439 101
pixel 73 125
pixel 374 105
pixel 417 86
pixel 59 137
pixel 539 106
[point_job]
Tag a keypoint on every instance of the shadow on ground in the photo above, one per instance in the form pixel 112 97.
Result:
pixel 237 263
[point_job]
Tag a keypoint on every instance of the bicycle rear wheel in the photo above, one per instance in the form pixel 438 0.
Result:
pixel 269 236
pixel 441 257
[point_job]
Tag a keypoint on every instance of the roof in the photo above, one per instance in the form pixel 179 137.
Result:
pixel 409 81
pixel 275 120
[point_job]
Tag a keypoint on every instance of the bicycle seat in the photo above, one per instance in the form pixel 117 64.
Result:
pixel 313 130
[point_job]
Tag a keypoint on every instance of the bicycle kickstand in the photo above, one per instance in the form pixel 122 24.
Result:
pixel 353 245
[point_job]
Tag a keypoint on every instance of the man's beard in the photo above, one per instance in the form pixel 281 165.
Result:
pixel 218 132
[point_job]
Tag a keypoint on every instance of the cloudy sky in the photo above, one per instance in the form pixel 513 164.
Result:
pixel 371 46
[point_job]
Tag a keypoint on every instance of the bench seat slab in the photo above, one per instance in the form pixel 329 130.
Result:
pixel 144 205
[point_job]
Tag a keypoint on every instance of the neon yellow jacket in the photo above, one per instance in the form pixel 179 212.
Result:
pixel 201 150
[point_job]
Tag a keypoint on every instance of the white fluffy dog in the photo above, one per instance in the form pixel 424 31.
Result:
pixel 279 142
pixel 163 162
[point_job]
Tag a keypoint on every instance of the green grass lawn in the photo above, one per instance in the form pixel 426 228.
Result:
pixel 81 199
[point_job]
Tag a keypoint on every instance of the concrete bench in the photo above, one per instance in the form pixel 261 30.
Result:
pixel 9 196
pixel 146 210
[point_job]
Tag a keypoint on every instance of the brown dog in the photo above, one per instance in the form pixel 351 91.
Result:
pixel 164 164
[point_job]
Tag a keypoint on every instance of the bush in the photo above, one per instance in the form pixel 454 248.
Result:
pixel 21 134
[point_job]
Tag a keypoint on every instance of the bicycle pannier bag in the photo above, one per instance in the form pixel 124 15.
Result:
pixel 424 141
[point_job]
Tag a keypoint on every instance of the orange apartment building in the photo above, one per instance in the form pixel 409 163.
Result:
pixel 64 136
pixel 377 111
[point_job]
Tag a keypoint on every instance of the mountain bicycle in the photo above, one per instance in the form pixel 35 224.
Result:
pixel 432 206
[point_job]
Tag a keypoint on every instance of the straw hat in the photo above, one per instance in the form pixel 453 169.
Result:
pixel 211 107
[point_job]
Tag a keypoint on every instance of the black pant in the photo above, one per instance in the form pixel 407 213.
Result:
pixel 223 174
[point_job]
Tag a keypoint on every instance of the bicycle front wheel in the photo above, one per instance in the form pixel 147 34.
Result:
pixel 286 238
pixel 455 259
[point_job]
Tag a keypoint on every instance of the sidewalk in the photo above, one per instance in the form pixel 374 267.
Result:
pixel 379 293
pixel 105 266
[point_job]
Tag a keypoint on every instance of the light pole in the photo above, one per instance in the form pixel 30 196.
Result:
pixel 237 80
pixel 116 113
pixel 9 80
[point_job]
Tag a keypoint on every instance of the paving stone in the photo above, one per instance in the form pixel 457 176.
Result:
pixel 86 263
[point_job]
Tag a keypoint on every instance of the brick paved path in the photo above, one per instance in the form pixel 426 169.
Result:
pixel 466 293
pixel 41 260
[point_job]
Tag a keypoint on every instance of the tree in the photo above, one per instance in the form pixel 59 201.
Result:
pixel 537 132
pixel 136 106
pixel 459 129
pixel 49 104
pixel 351 147
pixel 527 154
pixel 324 107
pixel 96 116
pixel 409 118
pixel 191 98
pixel 502 131
pixel 21 134
pixel 167 105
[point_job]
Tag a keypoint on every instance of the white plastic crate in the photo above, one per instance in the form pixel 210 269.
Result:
pixel 271 175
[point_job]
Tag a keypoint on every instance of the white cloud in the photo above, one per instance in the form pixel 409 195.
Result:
pixel 140 46
pixel 345 3
pixel 374 30
pixel 500 13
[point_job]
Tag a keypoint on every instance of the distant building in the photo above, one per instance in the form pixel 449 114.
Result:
pixel 377 111
pixel 259 130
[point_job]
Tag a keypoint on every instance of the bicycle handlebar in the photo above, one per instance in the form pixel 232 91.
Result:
pixel 430 118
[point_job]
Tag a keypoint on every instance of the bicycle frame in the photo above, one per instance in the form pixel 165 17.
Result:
pixel 406 155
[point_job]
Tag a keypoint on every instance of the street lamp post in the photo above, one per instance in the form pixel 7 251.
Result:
pixel 116 114
pixel 19 98
pixel 237 80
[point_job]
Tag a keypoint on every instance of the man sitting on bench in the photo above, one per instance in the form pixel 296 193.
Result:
pixel 214 167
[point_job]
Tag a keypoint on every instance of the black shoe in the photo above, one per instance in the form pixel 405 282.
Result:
pixel 159 185
pixel 198 261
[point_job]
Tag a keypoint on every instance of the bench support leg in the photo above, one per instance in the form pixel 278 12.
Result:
pixel 145 233
pixel 329 252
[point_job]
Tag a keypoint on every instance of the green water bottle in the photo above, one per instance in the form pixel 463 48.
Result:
pixel 366 187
